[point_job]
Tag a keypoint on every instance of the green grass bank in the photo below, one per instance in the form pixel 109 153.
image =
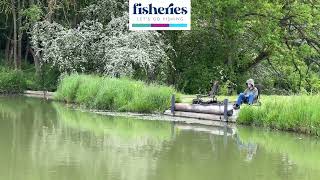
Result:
pixel 289 113
pixel 115 94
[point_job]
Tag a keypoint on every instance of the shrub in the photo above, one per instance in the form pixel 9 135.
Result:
pixel 11 82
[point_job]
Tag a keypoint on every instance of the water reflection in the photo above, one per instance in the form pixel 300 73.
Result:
pixel 249 147
pixel 43 140
pixel 100 147
pixel 297 149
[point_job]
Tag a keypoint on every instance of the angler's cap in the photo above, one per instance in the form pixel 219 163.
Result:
pixel 250 81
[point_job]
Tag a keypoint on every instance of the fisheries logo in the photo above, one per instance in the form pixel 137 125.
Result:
pixel 159 14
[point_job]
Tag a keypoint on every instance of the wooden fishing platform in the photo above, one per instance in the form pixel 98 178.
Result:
pixel 221 111
pixel 211 115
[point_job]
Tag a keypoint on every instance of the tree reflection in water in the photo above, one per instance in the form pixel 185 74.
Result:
pixel 45 140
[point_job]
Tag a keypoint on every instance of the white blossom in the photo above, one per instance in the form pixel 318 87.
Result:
pixel 94 47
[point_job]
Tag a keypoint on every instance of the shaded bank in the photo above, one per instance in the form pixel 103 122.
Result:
pixel 17 81
pixel 289 113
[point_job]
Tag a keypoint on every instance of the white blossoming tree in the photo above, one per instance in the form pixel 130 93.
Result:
pixel 100 46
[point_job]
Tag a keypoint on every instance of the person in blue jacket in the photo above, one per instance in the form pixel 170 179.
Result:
pixel 248 96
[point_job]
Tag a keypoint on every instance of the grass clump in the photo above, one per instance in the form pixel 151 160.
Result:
pixel 105 97
pixel 88 88
pixel 11 81
pixel 67 88
pixel 116 94
pixel 153 97
pixel 291 113
pixel 107 93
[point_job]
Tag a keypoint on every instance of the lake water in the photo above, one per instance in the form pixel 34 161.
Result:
pixel 46 140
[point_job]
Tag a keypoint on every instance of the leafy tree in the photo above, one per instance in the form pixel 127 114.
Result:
pixel 239 37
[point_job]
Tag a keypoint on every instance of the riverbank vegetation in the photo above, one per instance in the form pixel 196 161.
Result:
pixel 119 94
pixel 290 113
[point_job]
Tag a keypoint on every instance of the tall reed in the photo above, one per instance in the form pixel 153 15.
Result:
pixel 114 94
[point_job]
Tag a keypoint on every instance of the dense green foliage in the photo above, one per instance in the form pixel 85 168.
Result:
pixel 15 81
pixel 292 113
pixel 46 80
pixel 11 81
pixel 114 94
pixel 275 42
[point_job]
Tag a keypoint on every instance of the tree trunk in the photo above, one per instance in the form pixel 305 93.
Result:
pixel 262 56
pixel 8 43
pixel 19 40
pixel 51 6
pixel 9 62
pixel 14 17
pixel 75 18
pixel 36 61
pixel 27 53
pixel 36 57
pixel 7 51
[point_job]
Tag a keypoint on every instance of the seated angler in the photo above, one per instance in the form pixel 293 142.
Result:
pixel 248 96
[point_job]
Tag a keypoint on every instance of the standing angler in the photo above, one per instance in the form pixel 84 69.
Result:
pixel 248 96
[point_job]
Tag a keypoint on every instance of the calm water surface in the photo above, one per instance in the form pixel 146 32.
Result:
pixel 45 141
